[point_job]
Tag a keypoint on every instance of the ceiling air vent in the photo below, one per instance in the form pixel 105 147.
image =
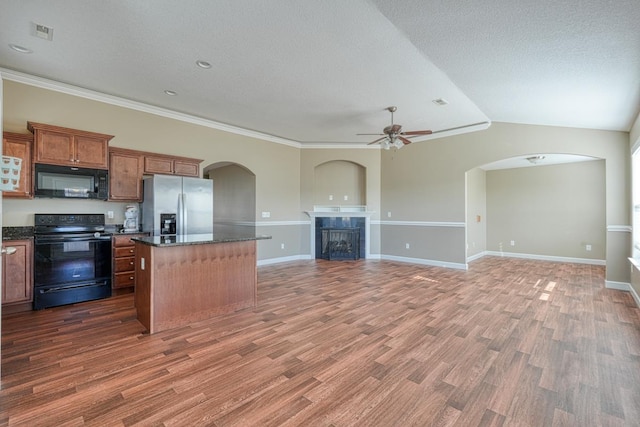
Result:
pixel 440 101
pixel 43 31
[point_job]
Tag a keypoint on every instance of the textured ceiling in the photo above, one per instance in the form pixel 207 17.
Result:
pixel 315 72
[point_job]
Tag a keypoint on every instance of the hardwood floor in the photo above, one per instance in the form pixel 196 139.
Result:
pixel 369 343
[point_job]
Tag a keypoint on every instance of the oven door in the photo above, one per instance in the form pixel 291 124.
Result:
pixel 69 259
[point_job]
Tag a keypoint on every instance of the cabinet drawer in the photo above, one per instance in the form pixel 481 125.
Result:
pixel 122 280
pixel 124 264
pixel 125 251
pixel 123 240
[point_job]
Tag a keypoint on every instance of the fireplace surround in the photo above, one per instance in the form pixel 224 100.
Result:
pixel 340 217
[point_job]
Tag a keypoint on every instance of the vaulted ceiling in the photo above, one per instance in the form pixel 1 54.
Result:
pixel 319 72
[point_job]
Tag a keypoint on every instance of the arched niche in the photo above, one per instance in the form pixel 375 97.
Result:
pixel 234 192
pixel 340 182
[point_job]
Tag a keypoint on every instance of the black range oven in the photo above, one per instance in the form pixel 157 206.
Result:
pixel 72 259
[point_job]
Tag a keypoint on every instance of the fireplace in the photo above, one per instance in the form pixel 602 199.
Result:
pixel 340 217
pixel 340 243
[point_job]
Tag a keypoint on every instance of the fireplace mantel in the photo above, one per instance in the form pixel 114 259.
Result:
pixel 344 212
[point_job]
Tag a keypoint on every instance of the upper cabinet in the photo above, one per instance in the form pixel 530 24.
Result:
pixel 125 174
pixel 171 165
pixel 126 168
pixel 69 147
pixel 19 145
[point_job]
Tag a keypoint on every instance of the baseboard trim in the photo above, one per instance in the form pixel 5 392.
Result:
pixel 548 258
pixel 618 286
pixel 421 261
pixel 282 259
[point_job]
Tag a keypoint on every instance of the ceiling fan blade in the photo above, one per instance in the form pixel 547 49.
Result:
pixel 403 139
pixel 377 140
pixel 369 133
pixel 417 132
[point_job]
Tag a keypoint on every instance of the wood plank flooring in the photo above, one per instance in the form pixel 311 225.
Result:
pixel 510 342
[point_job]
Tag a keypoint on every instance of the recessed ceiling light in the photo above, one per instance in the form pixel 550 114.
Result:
pixel 19 48
pixel 203 64
pixel 170 92
pixel 535 159
pixel 440 101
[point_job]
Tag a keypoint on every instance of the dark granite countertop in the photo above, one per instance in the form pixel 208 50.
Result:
pixel 198 239
pixel 17 233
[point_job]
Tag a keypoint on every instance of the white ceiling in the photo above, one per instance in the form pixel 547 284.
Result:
pixel 318 72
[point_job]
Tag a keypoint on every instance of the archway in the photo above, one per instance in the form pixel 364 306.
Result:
pixel 234 193
pixel 544 206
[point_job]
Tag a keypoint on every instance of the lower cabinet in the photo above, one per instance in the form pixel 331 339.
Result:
pixel 124 261
pixel 17 275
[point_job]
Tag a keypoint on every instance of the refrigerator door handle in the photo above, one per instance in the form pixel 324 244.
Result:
pixel 179 218
pixel 184 213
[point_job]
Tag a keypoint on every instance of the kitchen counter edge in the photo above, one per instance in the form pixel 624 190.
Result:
pixel 195 239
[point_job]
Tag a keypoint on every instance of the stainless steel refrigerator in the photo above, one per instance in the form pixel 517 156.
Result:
pixel 177 205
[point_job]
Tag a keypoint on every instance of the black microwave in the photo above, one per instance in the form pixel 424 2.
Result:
pixel 70 182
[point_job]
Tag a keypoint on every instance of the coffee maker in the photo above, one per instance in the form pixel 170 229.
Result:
pixel 130 219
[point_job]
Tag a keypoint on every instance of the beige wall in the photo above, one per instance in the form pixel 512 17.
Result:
pixel 426 180
pixel 476 212
pixel 336 180
pixel 554 210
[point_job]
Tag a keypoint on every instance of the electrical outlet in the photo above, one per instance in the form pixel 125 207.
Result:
pixel 407 246
pixel 513 243
pixel 266 214
pixel 110 214
pixel 281 245
pixel 588 247
pixel 346 197
pixel 330 196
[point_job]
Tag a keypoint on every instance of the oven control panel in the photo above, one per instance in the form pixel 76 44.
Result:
pixel 69 219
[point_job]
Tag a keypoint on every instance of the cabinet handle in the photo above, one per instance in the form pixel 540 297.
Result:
pixel 130 277
pixel 131 263
pixel 131 251
pixel 10 250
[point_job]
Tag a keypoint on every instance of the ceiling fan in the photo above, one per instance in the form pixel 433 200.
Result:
pixel 393 136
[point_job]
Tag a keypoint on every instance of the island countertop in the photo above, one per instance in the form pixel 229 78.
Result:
pixel 199 239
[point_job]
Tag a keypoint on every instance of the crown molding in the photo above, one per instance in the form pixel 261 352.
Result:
pixel 40 82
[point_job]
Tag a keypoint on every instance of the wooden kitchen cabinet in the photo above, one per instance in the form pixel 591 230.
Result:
pixel 19 145
pixel 124 260
pixel 17 274
pixel 56 145
pixel 125 174
pixel 171 165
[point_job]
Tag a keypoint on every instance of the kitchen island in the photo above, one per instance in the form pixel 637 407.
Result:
pixel 188 278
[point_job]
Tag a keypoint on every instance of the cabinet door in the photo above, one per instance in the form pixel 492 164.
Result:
pixel 159 165
pixel 185 168
pixel 69 147
pixel 125 176
pixel 17 276
pixel 19 145
pixel 90 152
pixel 54 148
